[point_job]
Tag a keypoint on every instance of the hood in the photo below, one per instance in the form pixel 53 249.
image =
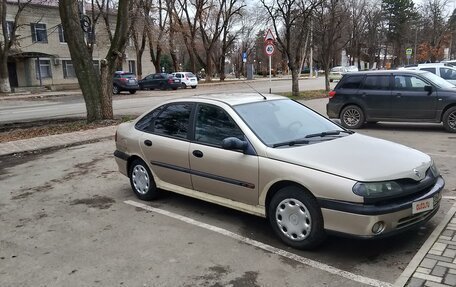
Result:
pixel 357 157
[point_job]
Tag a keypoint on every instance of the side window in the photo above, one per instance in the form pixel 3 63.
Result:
pixel 173 120
pixel 432 70
pixel 213 125
pixel 448 74
pixel 376 83
pixel 146 124
pixel 352 82
pixel 409 83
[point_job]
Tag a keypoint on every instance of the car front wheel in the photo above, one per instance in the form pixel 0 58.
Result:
pixel 142 181
pixel 296 218
pixel 449 120
pixel 352 117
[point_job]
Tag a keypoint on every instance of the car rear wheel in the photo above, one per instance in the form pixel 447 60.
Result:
pixel 193 87
pixel 141 180
pixel 352 117
pixel 161 86
pixel 449 120
pixel 184 86
pixel 296 218
pixel 115 90
pixel 132 92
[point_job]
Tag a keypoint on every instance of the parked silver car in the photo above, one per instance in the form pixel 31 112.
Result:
pixel 276 158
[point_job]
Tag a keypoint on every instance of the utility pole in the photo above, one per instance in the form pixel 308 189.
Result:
pixel 311 50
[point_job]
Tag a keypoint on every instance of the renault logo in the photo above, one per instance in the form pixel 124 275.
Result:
pixel 417 173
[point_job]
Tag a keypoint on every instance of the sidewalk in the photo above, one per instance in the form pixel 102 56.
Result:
pixel 433 265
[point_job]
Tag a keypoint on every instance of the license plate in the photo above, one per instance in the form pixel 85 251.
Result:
pixel 422 205
pixel 131 81
pixel 176 81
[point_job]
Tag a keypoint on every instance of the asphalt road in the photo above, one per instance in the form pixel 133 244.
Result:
pixel 14 110
pixel 77 223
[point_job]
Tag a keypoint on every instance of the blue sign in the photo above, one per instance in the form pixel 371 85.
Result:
pixel 244 57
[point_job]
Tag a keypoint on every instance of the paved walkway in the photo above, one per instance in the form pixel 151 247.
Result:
pixel 433 265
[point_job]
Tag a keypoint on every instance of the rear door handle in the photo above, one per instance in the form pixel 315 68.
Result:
pixel 197 153
pixel 148 143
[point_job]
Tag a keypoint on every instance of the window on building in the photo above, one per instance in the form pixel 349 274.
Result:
pixel 39 33
pixel 61 34
pixel 45 67
pixel 68 69
pixel 9 28
pixel 132 66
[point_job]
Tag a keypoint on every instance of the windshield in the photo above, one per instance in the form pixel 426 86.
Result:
pixel 438 81
pixel 284 120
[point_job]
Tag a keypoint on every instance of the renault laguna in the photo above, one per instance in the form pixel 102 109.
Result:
pixel 273 157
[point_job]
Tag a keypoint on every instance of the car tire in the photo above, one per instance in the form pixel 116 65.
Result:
pixel 161 86
pixel 174 88
pixel 184 86
pixel 141 87
pixel 141 180
pixel 352 117
pixel 296 218
pixel 115 89
pixel 449 120
pixel 193 87
pixel 132 92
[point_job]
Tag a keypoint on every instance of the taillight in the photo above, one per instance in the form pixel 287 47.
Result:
pixel 331 94
pixel 123 79
pixel 170 81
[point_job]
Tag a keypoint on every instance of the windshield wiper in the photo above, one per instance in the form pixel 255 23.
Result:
pixel 291 143
pixel 328 133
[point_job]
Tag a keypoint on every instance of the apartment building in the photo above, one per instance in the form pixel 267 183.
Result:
pixel 41 56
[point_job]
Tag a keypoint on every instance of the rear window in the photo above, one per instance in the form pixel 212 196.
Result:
pixel 351 82
pixel 128 76
pixel 190 74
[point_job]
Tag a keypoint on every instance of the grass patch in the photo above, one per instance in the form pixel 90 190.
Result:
pixel 306 95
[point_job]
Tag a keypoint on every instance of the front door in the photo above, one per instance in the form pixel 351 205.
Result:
pixel 410 100
pixel 226 173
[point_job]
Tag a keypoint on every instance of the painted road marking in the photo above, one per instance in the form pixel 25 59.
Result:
pixel 277 251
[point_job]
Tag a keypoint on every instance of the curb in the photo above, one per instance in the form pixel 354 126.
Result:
pixel 419 256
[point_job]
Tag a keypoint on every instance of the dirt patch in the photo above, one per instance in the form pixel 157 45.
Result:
pixel 101 202
pixel 29 191
pixel 27 130
pixel 249 278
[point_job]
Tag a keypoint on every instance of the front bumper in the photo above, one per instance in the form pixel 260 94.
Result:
pixel 357 220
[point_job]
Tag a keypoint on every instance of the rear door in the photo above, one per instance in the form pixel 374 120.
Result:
pixel 165 144
pixel 376 95
pixel 410 100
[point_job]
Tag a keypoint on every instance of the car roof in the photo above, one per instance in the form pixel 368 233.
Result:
pixel 232 99
pixel 387 72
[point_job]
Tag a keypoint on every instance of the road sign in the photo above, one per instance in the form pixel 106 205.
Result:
pixel 408 51
pixel 269 37
pixel 269 48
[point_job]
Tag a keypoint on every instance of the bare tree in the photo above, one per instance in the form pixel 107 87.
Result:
pixel 139 31
pixel 156 32
pixel 97 89
pixel 290 19
pixel 329 23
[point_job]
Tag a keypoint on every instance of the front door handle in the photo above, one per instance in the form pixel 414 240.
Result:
pixel 148 143
pixel 197 153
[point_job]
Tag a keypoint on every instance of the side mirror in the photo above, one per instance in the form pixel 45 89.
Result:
pixel 428 89
pixel 233 143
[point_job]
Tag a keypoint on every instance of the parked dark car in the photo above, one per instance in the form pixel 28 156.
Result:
pixel 124 81
pixel 162 81
pixel 399 96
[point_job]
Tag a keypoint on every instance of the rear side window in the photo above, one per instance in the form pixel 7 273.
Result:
pixel 432 70
pixel 376 83
pixel 174 120
pixel 351 82
pixel 146 124
pixel 448 74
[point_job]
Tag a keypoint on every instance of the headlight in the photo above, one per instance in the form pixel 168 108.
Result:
pixel 377 189
pixel 434 170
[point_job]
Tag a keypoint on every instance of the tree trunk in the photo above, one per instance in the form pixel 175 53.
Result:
pixel 208 66
pixel 88 78
pixel 294 81
pixel 106 90
pixel 4 76
pixel 222 67
pixel 139 54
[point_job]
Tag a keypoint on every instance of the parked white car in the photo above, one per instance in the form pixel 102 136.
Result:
pixel 187 79
pixel 442 70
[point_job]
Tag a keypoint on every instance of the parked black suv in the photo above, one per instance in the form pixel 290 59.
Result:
pixel 402 95
pixel 124 81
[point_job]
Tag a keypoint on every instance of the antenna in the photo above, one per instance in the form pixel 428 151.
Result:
pixel 255 90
